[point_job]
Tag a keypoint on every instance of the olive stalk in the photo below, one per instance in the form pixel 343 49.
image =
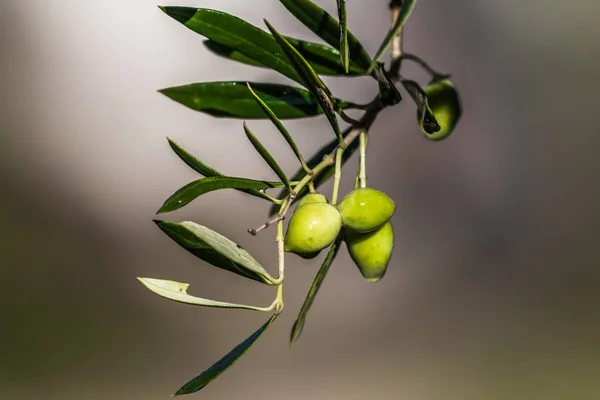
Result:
pixel 337 175
pixel 362 161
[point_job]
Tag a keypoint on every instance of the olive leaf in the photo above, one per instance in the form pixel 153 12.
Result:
pixel 405 11
pixel 324 59
pixel 207 171
pixel 236 33
pixel 344 52
pixel 327 28
pixel 444 102
pixel 388 92
pixel 425 117
pixel 215 249
pixel 193 190
pixel 267 156
pixel 177 291
pixel 273 117
pixel 310 80
pixel 232 99
pixel 319 278
pixel 224 363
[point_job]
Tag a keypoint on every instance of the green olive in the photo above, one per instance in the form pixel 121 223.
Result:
pixel 312 198
pixel 444 102
pixel 371 251
pixel 312 227
pixel 366 209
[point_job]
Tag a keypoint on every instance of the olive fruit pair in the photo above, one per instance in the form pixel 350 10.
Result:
pixel 369 236
pixel 365 215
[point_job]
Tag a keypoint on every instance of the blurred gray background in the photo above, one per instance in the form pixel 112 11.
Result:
pixel 493 290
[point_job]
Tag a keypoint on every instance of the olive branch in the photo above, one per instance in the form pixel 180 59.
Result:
pixel 362 218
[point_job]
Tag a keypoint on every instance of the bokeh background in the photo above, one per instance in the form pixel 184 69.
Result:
pixel 493 290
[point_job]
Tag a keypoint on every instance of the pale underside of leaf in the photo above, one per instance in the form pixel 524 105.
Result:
pixel 177 291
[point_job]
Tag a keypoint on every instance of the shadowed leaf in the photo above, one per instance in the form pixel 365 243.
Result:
pixel 227 361
pixel 314 289
pixel 232 100
pixel 324 59
pixel 215 249
pixel 264 153
pixel 425 117
pixel 197 188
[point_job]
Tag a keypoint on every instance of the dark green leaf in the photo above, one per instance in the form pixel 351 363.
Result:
pixel 215 249
pixel 319 278
pixel 199 187
pixel 444 101
pixel 344 52
pixel 387 90
pixel 207 171
pixel 232 99
pixel 425 116
pixel 310 79
pixel 227 361
pixel 177 291
pixel 286 135
pixel 235 33
pixel 264 153
pixel 405 11
pixel 327 28
pixel 325 60
pixel 231 53
pixel 313 161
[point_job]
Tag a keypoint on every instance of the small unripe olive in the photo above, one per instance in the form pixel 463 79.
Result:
pixel 366 209
pixel 312 227
pixel 312 198
pixel 444 102
pixel 371 251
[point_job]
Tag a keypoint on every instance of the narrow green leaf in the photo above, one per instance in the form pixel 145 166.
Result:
pixel 425 117
pixel 310 79
pixel 232 99
pixel 324 59
pixel 194 189
pixel 227 361
pixel 236 33
pixel 264 153
pixel 207 171
pixel 284 132
pixel 407 9
pixel 177 291
pixel 230 53
pixel 312 162
pixel 444 101
pixel 319 278
pixel 215 249
pixel 344 52
pixel 327 28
